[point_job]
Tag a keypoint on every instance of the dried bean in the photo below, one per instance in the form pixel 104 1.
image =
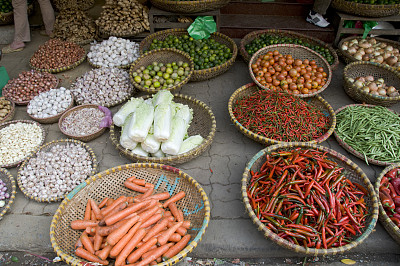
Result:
pixel 82 122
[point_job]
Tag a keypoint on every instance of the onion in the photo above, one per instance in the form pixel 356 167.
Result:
pixel 372 86
pixel 361 51
pixel 382 92
pixel 364 44
pixel 372 41
pixel 362 79
pixel 391 89
pixel 379 59
pixel 369 50
pixel 351 80
pixel 358 56
pixel 389 48
pixel 359 84
pixel 386 55
pixel 369 78
pixel 394 94
pixel 352 50
pixel 391 60
pixel 374 93
pixel 366 89
pixel 365 57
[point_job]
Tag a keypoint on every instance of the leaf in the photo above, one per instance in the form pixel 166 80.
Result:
pixel 348 261
pixel 14 259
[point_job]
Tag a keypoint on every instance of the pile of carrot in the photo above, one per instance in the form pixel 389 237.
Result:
pixel 140 230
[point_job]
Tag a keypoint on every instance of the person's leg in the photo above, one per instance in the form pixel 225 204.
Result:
pixel 321 6
pixel 21 24
pixel 315 16
pixel 48 15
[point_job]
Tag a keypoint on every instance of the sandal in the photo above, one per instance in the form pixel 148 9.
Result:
pixel 8 49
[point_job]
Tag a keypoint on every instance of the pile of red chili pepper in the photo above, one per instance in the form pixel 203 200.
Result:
pixel 305 198
pixel 280 116
pixel 389 194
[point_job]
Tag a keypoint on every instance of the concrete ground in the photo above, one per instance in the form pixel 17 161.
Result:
pixel 231 234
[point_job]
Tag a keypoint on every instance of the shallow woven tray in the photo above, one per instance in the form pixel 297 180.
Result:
pixel 27 122
pixel 109 183
pixel 317 101
pixel 198 75
pixel 81 138
pixel 47 147
pixel 391 228
pixel 61 69
pixel 348 148
pixel 203 123
pixel 52 119
pixel 352 172
pixel 298 52
pixel 121 66
pixel 189 6
pixel 11 190
pixel 362 69
pixel 11 114
pixel 365 10
pixel 166 55
pixel 284 33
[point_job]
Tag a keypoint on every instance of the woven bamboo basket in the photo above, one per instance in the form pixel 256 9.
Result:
pixel 298 52
pixel 8 18
pixel 11 114
pixel 110 183
pixel 121 66
pixel 350 149
pixel 352 172
pixel 391 228
pixel 283 33
pixel 26 122
pixel 84 138
pixel 362 69
pixel 198 75
pixel 187 7
pixel 47 147
pixel 167 55
pixel 61 69
pixel 365 10
pixel 8 179
pixel 248 89
pixel 203 123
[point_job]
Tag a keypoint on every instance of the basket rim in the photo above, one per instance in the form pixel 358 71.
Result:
pixel 182 254
pixel 34 154
pixel 350 149
pixel 120 66
pixel 189 3
pixel 12 194
pixel 327 66
pixel 73 109
pixel 138 63
pixel 180 157
pixel 195 6
pixel 3 125
pixel 11 113
pixel 268 141
pixel 358 5
pixel 286 244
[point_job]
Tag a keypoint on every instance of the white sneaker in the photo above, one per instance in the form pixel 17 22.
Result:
pixel 317 19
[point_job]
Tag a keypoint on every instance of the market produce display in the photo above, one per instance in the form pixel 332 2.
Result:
pixel 6 109
pixel 82 122
pixel 115 51
pixel 375 87
pixel 3 193
pixel 389 195
pixel 27 85
pixel 74 4
pixel 375 2
pixel 8 191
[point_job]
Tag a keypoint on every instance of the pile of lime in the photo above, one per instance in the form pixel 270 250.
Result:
pixel 161 76
pixel 376 2
pixel 6 6
pixel 268 39
pixel 205 53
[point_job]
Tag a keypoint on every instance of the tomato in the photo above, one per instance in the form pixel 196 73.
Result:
pixel 305 91
pixel 298 62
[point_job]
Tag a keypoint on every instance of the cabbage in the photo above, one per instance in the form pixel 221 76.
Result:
pixel 190 143
pixel 150 144
pixel 124 140
pixel 158 154
pixel 139 151
pixel 184 112
pixel 162 121
pixel 178 132
pixel 143 119
pixel 125 110
pixel 162 96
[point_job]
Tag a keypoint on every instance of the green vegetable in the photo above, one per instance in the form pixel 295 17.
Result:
pixel 142 121
pixel 126 109
pixel 190 143
pixel 125 140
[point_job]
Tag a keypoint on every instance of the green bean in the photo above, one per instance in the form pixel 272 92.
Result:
pixel 373 131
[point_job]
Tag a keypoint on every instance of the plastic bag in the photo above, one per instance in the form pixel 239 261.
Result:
pixel 3 78
pixel 202 27
pixel 367 25
pixel 107 120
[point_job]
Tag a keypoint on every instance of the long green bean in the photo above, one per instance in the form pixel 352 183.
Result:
pixel 374 131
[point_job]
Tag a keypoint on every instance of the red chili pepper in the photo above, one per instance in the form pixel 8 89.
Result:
pixel 396 184
pixel 386 200
pixel 396 201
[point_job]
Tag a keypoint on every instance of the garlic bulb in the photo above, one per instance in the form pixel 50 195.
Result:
pixel 50 103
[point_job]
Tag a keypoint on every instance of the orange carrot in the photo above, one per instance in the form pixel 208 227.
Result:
pixel 103 253
pixel 167 213
pixel 82 224
pixel 152 220
pixel 156 229
pixel 87 211
pixel 160 196
pixel 96 209
pixel 125 212
pixel 148 193
pixel 109 202
pixel 135 255
pixel 115 203
pixel 103 202
pixel 98 239
pixel 129 199
pixel 131 178
pixel 175 249
pixel 144 216
pixel 106 230
pixel 154 255
pixel 148 253
pixel 153 262
pixel 93 216
pixel 90 230
pixel 175 237
pixel 78 243
pixel 186 224
pixel 163 239
pixel 87 243
pixel 124 253
pixel 140 182
pixel 119 233
pixel 174 198
pixel 114 211
pixel 174 210
pixel 180 215
pixel 181 230
pixel 135 187
pixel 84 254
pixel 122 243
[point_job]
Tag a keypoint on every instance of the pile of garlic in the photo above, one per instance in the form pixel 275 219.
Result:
pixel 50 103
pixel 113 52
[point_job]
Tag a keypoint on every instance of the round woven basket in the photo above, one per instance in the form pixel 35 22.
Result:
pixel 352 172
pixel 283 33
pixel 187 7
pixel 165 56
pixel 362 69
pixel 61 69
pixel 121 66
pixel 248 89
pixel 11 114
pixel 391 228
pixel 365 10
pixel 203 123
pixel 8 179
pixel 26 122
pixel 85 138
pixel 198 75
pixel 350 149
pixel 47 147
pixel 110 183
pixel 6 18
pixel 298 52
pixel 54 118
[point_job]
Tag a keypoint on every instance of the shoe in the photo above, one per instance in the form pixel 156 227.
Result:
pixel 317 19
pixel 44 33
pixel 8 49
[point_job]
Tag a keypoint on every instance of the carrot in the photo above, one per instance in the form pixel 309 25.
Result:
pixel 107 209
pixel 160 196
pixel 124 240
pixel 109 202
pixel 103 253
pixel 153 262
pixel 154 255
pixel 174 198
pixel 87 243
pixel 96 209
pixel 157 228
pixel 181 218
pixel 135 187
pixel 84 254
pixel 148 253
pixel 78 243
pixel 131 178
pixel 93 216
pixel 181 231
pixel 103 202
pixel 186 224
pixel 129 199
pixel 152 220
pixel 90 230
pixel 98 239
pixel 175 249
pixel 163 239
pixel 117 209
pixel 106 230
pixel 174 210
pixel 124 253
pixel 167 213
pixel 144 216
pixel 119 233
pixel 87 211
pixel 140 182
pixel 175 237
pixel 148 193
pixel 135 255
pixel 82 224
pixel 125 212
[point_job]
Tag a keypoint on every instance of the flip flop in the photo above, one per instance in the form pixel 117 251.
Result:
pixel 8 49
